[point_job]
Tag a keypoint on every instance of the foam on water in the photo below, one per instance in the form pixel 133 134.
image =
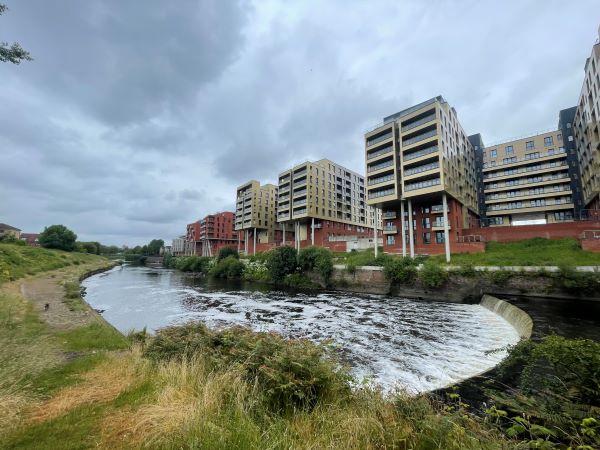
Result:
pixel 417 346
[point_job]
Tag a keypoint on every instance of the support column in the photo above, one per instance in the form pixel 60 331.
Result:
pixel 284 234
pixel 239 234
pixel 246 242
pixel 411 238
pixel 375 243
pixel 312 232
pixel 446 231
pixel 254 250
pixel 402 227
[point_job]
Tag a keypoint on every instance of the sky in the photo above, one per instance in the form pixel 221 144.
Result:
pixel 138 117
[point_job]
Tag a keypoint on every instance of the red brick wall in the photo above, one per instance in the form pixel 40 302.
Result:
pixel 591 245
pixel 548 231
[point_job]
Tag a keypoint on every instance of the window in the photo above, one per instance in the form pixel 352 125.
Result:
pixel 509 150
pixel 496 220
pixel 484 154
pixel 493 153
pixel 529 144
pixel 427 238
pixel 563 215
pixel 391 240
pixel 548 140
pixel 439 237
pixel 426 223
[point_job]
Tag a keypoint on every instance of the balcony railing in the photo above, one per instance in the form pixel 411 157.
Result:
pixel 508 172
pixel 378 180
pixel 382 165
pixel 438 209
pixel 560 151
pixel 299 202
pixel 423 168
pixel 382 193
pixel 389 215
pixel 378 139
pixel 527 194
pixel 420 137
pixel 416 123
pixel 297 212
pixel 532 204
pixel 422 184
pixel 511 183
pixel 300 192
pixel 418 154
pixel 377 153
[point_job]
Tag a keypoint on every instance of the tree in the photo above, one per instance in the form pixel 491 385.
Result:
pixel 281 262
pixel 58 237
pixel 153 248
pixel 13 53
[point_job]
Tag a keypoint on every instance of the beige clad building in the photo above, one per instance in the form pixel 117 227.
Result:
pixel 321 199
pixel 587 132
pixel 9 231
pixel 420 162
pixel 526 181
pixel 256 214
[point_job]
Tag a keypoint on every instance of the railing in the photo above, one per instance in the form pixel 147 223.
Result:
pixel 382 193
pixel 380 166
pixel 438 208
pixel 283 198
pixel 389 215
pixel 538 204
pixel 299 202
pixel 300 192
pixel 561 151
pixel 299 211
pixel 299 173
pixel 377 153
pixel 378 139
pixel 418 154
pixel 419 137
pixel 378 180
pixel 509 172
pixel 422 184
pixel 416 123
pixel 541 192
pixel 423 168
pixel 528 181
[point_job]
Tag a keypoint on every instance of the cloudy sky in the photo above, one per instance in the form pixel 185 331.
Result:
pixel 137 117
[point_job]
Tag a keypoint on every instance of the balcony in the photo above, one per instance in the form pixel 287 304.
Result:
pixel 383 151
pixel 419 137
pixel 299 202
pixel 422 184
pixel 300 173
pixel 537 168
pixel 378 139
pixel 389 215
pixel 382 193
pixel 383 165
pixel 390 230
pixel 438 209
pixel 420 169
pixel 561 152
pixel 299 193
pixel 419 153
pixel 419 122
pixel 300 183
pixel 299 212
pixel 383 179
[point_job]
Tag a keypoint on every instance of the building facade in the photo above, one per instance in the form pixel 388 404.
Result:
pixel 178 246
pixel 587 132
pixel 421 172
pixel 319 200
pixel 218 231
pixel 256 216
pixel 528 181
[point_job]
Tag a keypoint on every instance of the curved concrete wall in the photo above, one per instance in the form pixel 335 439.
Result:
pixel 513 315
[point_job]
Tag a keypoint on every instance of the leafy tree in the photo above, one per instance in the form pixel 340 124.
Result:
pixel 13 53
pixel 153 248
pixel 58 237
pixel 281 262
pixel 228 251
pixel 400 270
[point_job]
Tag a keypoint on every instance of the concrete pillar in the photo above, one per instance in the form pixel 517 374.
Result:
pixel 411 237
pixel 284 233
pixel 254 250
pixel 375 243
pixel 446 230
pixel 239 234
pixel 246 242
pixel 403 227
pixel 312 232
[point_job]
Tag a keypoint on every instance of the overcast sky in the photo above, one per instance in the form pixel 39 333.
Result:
pixel 133 120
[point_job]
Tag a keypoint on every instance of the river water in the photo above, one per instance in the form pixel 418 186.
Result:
pixel 414 345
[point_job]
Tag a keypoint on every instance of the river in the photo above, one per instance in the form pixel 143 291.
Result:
pixel 414 345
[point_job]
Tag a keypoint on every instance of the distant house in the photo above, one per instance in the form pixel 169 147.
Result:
pixel 7 230
pixel 31 239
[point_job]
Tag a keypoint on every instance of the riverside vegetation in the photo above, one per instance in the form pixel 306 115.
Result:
pixel 193 387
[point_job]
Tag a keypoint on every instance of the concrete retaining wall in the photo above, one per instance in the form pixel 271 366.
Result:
pixel 513 315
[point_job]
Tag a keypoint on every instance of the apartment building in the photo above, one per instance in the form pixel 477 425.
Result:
pixel 421 171
pixel 208 235
pixel 586 131
pixel 528 181
pixel 178 246
pixel 256 216
pixel 319 200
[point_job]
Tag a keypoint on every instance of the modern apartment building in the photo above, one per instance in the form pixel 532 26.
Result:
pixel 208 235
pixel 421 171
pixel 321 199
pixel 587 132
pixel 256 215
pixel 528 181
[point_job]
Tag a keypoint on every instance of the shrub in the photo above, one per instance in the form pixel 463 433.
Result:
pixel 58 237
pixel 256 271
pixel 578 282
pixel 291 373
pixel 281 262
pixel 401 270
pixel 229 267
pixel 433 275
pixel 316 259
pixel 466 270
pixel 501 277
pixel 226 252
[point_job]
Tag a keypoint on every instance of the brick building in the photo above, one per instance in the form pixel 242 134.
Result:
pixel 210 234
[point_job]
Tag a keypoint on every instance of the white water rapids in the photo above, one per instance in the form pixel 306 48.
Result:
pixel 396 342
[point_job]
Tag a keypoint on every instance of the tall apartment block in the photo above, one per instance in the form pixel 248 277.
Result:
pixel 421 172
pixel 586 131
pixel 529 181
pixel 256 215
pixel 210 234
pixel 320 200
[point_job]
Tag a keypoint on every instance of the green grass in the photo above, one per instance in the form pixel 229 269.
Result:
pixel 96 336
pixel 18 261
pixel 531 252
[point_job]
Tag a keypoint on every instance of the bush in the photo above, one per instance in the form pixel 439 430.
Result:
pixel 501 277
pixel 293 374
pixel 466 270
pixel 196 264
pixel 578 282
pixel 58 237
pixel 226 252
pixel 229 267
pixel 401 270
pixel 557 388
pixel 316 259
pixel 281 262
pixel 256 271
pixel 433 275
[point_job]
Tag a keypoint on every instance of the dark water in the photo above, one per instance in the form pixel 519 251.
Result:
pixel 393 341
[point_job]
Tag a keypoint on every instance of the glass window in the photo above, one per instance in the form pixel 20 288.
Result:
pixel 391 240
pixel 529 144
pixel 427 238
pixel 509 150
pixel 493 153
pixel 548 140
pixel 439 237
